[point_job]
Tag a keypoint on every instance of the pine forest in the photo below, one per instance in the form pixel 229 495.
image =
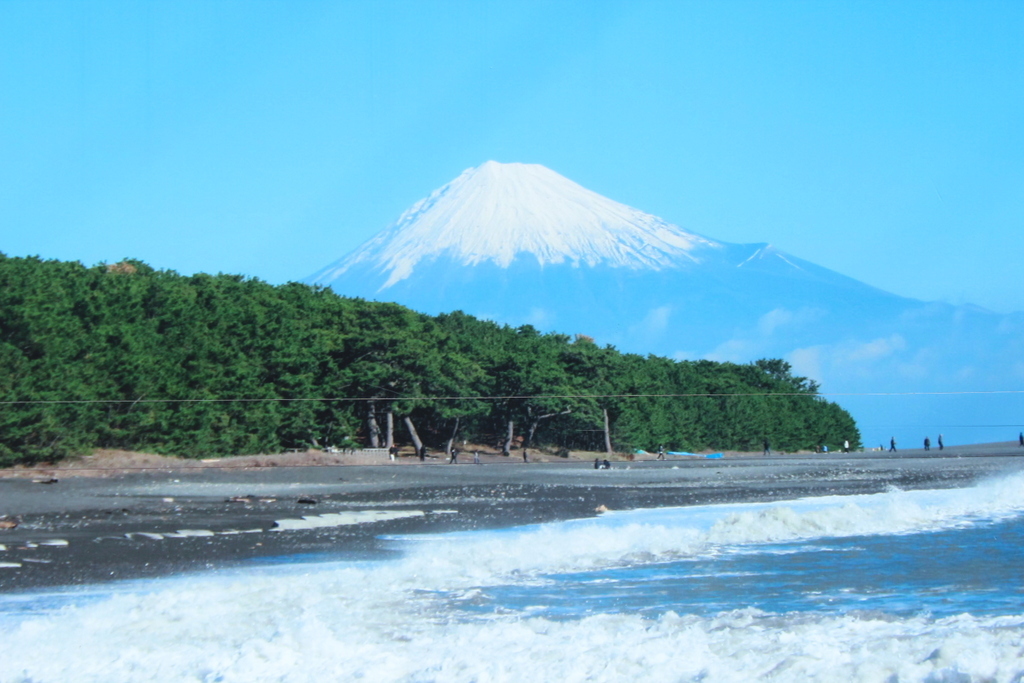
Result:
pixel 125 356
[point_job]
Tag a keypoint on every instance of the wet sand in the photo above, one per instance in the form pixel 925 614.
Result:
pixel 156 522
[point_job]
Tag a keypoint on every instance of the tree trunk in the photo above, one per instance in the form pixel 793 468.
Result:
pixel 607 433
pixel 451 439
pixel 530 431
pixel 412 433
pixel 506 448
pixel 389 437
pixel 536 423
pixel 371 425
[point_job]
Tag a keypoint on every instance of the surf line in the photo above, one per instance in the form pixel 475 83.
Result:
pixel 48 543
pixel 52 543
pixel 327 520
pixel 31 545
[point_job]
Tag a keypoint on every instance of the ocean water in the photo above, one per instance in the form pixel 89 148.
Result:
pixel 900 586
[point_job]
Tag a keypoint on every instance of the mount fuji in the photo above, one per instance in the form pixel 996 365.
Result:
pixel 521 244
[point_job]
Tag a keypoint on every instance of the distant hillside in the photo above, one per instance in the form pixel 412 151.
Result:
pixel 124 356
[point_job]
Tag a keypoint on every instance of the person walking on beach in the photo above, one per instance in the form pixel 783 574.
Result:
pixel 454 460
pixel 661 452
pixel 1021 439
pixel 846 446
pixel 892 445
pixel 423 453
pixel 927 444
pixel 767 448
pixel 524 454
pixel 940 442
pixel 476 457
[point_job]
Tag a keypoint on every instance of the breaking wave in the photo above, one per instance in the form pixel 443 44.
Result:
pixel 394 620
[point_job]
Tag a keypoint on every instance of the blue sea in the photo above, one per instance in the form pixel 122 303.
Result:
pixel 899 586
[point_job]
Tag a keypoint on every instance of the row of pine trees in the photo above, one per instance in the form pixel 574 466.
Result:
pixel 125 356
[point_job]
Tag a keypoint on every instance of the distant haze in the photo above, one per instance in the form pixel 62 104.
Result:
pixel 521 244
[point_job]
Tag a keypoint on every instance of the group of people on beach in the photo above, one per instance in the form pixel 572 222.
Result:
pixel 927 444
pixel 453 456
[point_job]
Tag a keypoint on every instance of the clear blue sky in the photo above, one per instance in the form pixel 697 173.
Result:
pixel 884 140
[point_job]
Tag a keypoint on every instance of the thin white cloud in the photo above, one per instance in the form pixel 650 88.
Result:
pixel 540 318
pixel 774 319
pixel 733 351
pixel 654 323
pixel 657 318
pixel 808 362
pixel 876 348
pixel 780 318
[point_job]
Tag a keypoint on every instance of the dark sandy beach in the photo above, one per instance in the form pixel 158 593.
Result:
pixel 81 530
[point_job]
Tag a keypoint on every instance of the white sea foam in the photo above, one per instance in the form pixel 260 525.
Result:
pixel 350 518
pixel 392 621
pixel 348 626
pixel 189 533
pixel 657 535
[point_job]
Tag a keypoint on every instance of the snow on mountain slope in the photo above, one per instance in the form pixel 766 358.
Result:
pixel 520 244
pixel 496 211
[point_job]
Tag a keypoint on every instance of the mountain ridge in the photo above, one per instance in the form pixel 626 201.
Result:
pixel 493 212
pixel 689 299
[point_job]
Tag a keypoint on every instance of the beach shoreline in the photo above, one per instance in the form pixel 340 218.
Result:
pixel 162 520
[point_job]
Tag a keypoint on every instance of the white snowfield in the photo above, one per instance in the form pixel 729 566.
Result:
pixel 495 211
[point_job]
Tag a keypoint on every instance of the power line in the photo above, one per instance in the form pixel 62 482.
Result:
pixel 515 397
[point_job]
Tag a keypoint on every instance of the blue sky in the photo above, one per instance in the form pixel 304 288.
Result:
pixel 884 140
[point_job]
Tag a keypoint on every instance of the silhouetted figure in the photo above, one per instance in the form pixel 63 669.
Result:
pixel 1021 439
pixel 661 452
pixel 393 452
pixel 892 445
pixel 423 453
pixel 597 463
pixel 606 465
pixel 927 444
pixel 767 448
pixel 524 455
pixel 454 460
pixel 940 442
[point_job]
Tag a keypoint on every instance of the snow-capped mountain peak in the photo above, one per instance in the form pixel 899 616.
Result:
pixel 495 212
